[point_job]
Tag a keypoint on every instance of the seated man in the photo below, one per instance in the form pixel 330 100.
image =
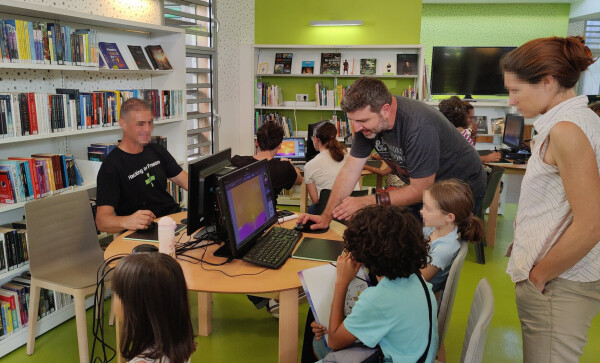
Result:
pixel 268 139
pixel 132 181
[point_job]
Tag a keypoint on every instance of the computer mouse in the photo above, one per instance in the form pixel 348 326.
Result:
pixel 144 248
pixel 305 228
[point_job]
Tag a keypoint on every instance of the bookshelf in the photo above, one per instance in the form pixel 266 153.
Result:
pixel 45 78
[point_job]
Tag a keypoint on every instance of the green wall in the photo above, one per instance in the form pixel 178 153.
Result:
pixel 490 25
pixel 384 22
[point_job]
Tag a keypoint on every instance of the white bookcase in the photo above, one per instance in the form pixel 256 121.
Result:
pixel 26 77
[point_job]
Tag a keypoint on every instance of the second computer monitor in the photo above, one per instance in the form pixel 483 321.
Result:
pixel 293 148
pixel 513 131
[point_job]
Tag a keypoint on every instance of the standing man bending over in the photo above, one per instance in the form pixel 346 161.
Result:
pixel 132 181
pixel 416 141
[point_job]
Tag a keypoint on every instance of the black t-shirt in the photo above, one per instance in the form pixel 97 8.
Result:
pixel 131 182
pixel 423 142
pixel 283 173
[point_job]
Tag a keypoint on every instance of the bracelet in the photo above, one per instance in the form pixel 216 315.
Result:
pixel 376 198
pixel 384 198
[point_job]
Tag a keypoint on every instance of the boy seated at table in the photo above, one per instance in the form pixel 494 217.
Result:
pixel 394 314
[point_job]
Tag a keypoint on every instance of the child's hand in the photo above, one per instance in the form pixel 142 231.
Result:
pixel 318 330
pixel 347 268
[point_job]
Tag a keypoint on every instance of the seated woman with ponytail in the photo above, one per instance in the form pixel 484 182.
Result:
pixel 448 219
pixel 320 172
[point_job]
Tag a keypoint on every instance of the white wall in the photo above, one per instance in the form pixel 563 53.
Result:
pixel 236 27
pixel 584 10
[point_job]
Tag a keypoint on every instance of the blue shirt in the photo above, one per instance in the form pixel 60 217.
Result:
pixel 443 251
pixel 393 314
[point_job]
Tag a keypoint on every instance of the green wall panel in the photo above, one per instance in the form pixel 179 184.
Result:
pixel 384 22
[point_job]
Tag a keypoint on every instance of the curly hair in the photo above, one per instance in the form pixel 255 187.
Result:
pixel 455 111
pixel 388 240
pixel 269 135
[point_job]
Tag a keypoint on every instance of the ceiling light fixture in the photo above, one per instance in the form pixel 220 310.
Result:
pixel 336 22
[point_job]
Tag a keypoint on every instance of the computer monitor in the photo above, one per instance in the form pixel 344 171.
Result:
pixel 246 205
pixel 311 152
pixel 293 148
pixel 202 186
pixel 513 131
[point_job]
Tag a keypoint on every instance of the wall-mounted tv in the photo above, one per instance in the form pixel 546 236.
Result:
pixel 467 71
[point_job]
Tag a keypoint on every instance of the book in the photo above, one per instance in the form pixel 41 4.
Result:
pixel 407 64
pixel 112 55
pixel 139 57
pixel 319 282
pixel 158 57
pixel 319 249
pixel 7 195
pixel 497 125
pixel 368 66
pixel 263 68
pixel 283 63
pixel 389 68
pixel 482 125
pixel 330 63
pixel 308 67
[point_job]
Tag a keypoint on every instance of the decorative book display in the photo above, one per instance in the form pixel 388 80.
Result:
pixel 139 57
pixel 408 64
pixel 308 67
pixel 389 68
pixel 158 57
pixel 283 63
pixel 368 66
pixel 330 63
pixel 482 124
pixel 112 55
pixel 319 282
pixel 497 126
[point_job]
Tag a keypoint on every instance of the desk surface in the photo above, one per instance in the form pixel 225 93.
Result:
pixel 200 278
pixel 511 168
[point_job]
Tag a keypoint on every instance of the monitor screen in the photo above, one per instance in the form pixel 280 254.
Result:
pixel 293 148
pixel 513 131
pixel 202 185
pixel 467 70
pixel 246 203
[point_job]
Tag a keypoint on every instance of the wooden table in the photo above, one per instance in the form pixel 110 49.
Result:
pixel 490 231
pixel 282 284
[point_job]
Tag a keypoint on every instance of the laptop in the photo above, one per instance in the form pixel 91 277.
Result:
pixel 293 148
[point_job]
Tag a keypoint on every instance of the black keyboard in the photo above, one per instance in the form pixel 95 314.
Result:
pixel 273 248
pixel 504 161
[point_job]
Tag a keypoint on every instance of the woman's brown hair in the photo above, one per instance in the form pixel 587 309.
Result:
pixel 454 196
pixel 326 133
pixel 156 312
pixel 455 111
pixel 562 58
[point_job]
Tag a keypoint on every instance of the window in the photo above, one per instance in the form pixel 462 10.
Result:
pixel 198 19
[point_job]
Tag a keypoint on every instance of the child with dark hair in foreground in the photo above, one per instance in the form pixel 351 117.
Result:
pixel 151 300
pixel 394 314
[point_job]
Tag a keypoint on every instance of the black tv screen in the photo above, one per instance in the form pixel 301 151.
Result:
pixel 467 70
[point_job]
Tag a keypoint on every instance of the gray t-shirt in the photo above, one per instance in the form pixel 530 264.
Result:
pixel 421 143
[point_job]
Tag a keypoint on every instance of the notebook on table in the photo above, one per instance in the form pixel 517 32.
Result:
pixel 319 249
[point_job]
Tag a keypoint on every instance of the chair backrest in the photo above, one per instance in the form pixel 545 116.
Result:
pixel 325 193
pixel 482 309
pixel 60 230
pixel 490 190
pixel 449 294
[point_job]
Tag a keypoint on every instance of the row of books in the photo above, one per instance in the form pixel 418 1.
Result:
pixel 31 113
pixel 112 58
pixel 99 151
pixel 176 191
pixel 268 95
pixel 13 249
pixel 38 42
pixel 325 97
pixel 335 64
pixel 34 177
pixel 14 304
pixel 285 122
pixel 410 92
pixel 343 125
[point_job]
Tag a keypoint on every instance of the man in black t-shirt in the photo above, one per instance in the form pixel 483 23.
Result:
pixel 268 139
pixel 416 141
pixel 132 181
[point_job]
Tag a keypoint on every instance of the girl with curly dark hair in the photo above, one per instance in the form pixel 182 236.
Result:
pixel 393 314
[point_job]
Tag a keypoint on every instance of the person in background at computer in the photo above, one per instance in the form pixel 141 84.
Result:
pixel 132 181
pixel 392 181
pixel 394 253
pixel 457 112
pixel 151 301
pixel 321 171
pixel 555 254
pixel 268 140
pixel 595 106
pixel 415 140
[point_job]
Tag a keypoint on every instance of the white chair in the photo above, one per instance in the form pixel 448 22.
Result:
pixel 482 309
pixel 449 294
pixel 64 256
